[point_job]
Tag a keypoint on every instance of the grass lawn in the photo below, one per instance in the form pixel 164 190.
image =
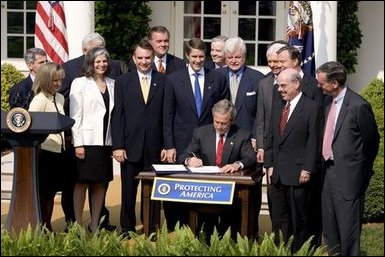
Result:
pixel 372 239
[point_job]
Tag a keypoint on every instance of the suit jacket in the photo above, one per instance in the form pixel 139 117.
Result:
pixel 298 148
pixel 355 146
pixel 21 94
pixel 173 64
pixel 73 69
pixel 137 127
pixel 87 108
pixel 246 100
pixel 180 116
pixel 309 86
pixel 264 102
pixel 210 65
pixel 237 146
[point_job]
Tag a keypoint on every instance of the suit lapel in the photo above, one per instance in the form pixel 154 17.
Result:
pixel 153 86
pixel 342 114
pixel 297 113
pixel 95 91
pixel 207 89
pixel 228 146
pixel 212 137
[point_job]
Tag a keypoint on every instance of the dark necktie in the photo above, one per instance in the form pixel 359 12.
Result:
pixel 329 132
pixel 197 94
pixel 161 67
pixel 284 117
pixel 218 159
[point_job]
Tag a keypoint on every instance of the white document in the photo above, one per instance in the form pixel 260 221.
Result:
pixel 205 169
pixel 169 167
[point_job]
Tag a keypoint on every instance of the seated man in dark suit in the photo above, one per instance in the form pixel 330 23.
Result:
pixel 233 152
pixel 20 95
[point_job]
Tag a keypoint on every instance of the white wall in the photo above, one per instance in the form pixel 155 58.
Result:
pixel 371 53
pixel 325 31
pixel 80 21
pixel 163 14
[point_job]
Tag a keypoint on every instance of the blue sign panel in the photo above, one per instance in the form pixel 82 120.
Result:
pixel 193 191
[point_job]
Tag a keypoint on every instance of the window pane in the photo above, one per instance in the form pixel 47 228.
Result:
pixel 15 47
pixel 208 47
pixel 267 8
pixel 247 7
pixel 250 58
pixel 192 7
pixel 212 7
pixel 31 5
pixel 246 28
pixel 192 27
pixel 30 42
pixel 262 48
pixel 31 22
pixel 266 29
pixel 211 28
pixel 15 22
pixel 15 5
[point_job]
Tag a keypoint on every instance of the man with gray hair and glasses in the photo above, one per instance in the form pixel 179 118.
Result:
pixel 20 95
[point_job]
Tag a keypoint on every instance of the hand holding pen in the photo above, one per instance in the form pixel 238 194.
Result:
pixel 194 161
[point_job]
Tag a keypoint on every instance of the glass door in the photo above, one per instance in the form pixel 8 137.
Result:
pixel 257 22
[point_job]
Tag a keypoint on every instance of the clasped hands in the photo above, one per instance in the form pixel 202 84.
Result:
pixel 120 155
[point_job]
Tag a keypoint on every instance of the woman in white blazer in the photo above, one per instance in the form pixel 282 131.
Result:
pixel 91 102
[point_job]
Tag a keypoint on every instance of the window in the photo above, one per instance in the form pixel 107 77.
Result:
pixel 18 21
pixel 257 22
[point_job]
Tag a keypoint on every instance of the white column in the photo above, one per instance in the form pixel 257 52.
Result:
pixel 80 21
pixel 325 31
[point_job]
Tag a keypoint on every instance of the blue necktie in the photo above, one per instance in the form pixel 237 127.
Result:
pixel 197 94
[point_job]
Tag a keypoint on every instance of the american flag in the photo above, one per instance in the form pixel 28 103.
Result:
pixel 51 31
pixel 300 32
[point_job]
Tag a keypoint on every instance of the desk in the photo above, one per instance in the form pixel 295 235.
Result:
pixel 247 190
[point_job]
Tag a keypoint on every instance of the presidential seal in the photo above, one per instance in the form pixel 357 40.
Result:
pixel 18 120
pixel 164 189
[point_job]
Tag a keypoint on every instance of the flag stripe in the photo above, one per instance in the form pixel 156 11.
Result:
pixel 54 56
pixel 50 30
pixel 56 27
pixel 53 40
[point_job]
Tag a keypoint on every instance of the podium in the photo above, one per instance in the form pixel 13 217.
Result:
pixel 25 131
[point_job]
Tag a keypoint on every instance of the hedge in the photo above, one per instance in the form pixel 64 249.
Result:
pixel 374 201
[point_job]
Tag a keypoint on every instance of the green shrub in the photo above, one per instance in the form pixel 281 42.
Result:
pixel 9 77
pixel 374 202
pixel 182 242
pixel 129 18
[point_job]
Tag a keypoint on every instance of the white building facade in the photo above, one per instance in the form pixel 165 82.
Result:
pixel 257 22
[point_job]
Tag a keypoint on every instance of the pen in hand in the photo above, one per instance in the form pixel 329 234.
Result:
pixel 195 162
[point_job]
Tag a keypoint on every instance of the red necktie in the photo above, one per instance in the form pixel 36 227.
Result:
pixel 284 117
pixel 218 159
pixel 329 132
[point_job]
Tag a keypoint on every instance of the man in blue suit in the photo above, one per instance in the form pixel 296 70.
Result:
pixel 190 94
pixel 20 95
pixel 350 146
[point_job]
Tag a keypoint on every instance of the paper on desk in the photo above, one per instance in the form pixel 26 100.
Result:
pixel 169 167
pixel 205 169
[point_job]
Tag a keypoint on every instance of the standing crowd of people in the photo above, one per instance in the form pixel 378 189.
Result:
pixel 206 112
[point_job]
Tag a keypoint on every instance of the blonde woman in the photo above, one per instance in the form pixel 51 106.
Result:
pixel 91 103
pixel 53 175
